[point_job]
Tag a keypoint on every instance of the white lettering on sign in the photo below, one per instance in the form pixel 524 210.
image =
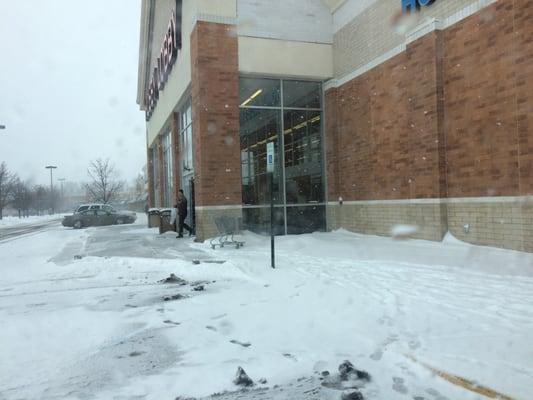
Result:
pixel 164 63
pixel 270 157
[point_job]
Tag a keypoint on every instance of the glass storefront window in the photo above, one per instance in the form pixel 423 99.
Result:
pixel 167 169
pixel 306 219
pixel 259 92
pixel 257 219
pixel 303 156
pixel 259 127
pixel 186 137
pixel 294 123
pixel 301 94
pixel 155 171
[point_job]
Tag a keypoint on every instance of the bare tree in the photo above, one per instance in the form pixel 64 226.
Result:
pixel 21 197
pixel 139 185
pixel 7 180
pixel 39 198
pixel 104 185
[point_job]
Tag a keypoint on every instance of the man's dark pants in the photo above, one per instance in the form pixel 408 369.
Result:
pixel 182 224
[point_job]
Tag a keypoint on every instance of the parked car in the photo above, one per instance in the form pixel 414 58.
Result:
pixel 98 218
pixel 94 206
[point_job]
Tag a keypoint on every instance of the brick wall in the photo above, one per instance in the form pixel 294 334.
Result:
pixel 215 109
pixel 373 32
pixel 488 69
pixel 215 113
pixel 450 117
pixel 383 132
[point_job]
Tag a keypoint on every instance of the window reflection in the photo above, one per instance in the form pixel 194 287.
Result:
pixel 259 127
pixel 301 94
pixel 259 92
pixel 303 156
pixel 186 137
pixel 294 125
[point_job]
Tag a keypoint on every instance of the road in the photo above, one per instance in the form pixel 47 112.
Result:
pixel 13 232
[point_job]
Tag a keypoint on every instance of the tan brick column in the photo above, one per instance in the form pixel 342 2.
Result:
pixel 176 156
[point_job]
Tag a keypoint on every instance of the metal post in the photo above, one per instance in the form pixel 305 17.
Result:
pixel 272 257
pixel 51 167
pixel 270 167
pixel 62 202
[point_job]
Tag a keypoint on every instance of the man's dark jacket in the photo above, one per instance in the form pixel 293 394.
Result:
pixel 182 207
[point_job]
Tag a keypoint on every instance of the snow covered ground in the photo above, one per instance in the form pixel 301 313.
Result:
pixel 12 221
pixel 83 315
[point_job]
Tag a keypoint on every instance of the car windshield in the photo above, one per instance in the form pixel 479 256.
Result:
pixel 266 199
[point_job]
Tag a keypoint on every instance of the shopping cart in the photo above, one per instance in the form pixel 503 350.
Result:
pixel 227 228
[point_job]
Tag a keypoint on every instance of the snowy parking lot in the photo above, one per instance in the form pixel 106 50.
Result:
pixel 88 314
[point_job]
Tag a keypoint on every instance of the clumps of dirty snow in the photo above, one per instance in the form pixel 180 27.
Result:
pixel 172 278
pixel 178 296
pixel 348 377
pixel 242 379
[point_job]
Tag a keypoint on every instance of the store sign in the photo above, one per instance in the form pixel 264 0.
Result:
pixel 165 61
pixel 270 157
pixel 414 5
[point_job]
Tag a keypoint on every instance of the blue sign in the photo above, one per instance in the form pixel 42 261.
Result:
pixel 414 5
pixel 270 157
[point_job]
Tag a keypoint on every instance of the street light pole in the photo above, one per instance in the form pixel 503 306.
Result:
pixel 62 196
pixel 51 167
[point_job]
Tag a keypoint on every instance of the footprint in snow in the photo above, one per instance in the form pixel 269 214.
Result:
pixel 436 395
pixel 290 356
pixel 243 344
pixel 168 321
pixel 398 385
pixel 376 355
pixel 211 328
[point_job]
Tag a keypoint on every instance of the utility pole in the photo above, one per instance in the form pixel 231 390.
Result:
pixel 51 168
pixel 62 196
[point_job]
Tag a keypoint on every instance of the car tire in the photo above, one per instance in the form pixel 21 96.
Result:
pixel 120 221
pixel 78 224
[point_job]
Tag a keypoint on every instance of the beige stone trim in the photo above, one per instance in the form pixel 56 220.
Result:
pixel 453 200
pixel 275 57
pixel 209 208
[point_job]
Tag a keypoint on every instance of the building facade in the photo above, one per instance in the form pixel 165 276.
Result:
pixel 381 112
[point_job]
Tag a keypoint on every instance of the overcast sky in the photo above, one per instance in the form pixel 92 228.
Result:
pixel 68 86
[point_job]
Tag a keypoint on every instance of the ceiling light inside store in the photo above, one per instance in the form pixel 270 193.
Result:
pixel 253 96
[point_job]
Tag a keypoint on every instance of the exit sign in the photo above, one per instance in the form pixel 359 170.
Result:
pixel 414 5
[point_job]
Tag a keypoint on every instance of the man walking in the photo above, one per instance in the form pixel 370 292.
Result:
pixel 181 207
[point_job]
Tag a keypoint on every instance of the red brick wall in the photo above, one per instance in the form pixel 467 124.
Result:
pixel 451 116
pixel 488 70
pixel 387 129
pixel 215 112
